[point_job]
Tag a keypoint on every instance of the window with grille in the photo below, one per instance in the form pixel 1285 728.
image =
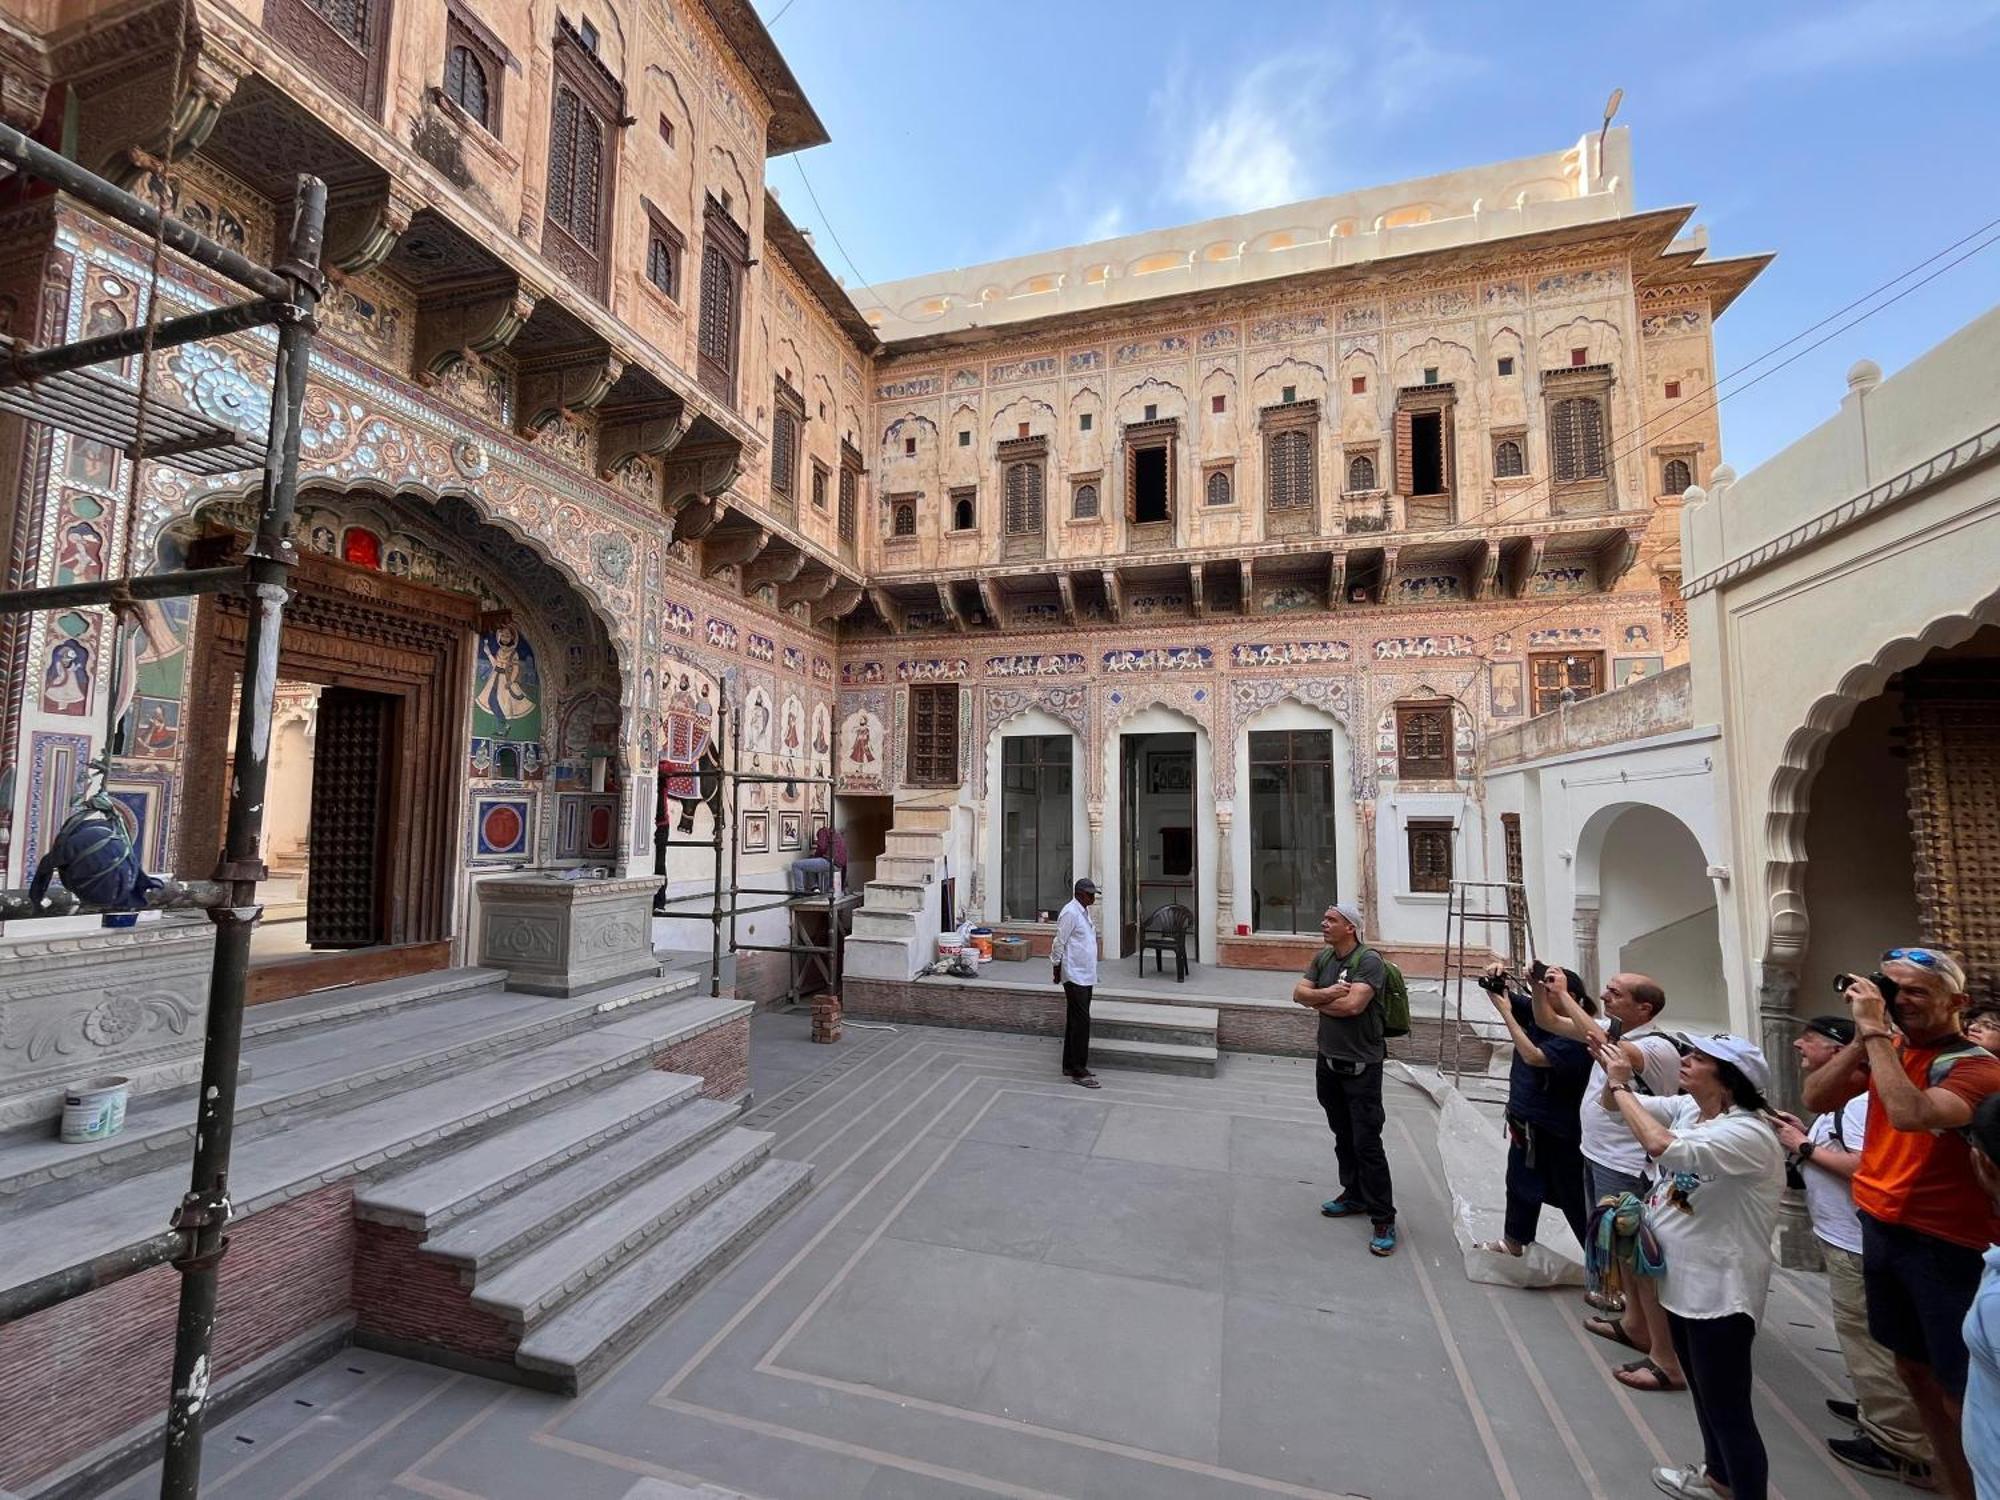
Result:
pixel 1083 504
pixel 1424 749
pixel 1580 673
pixel 660 264
pixel 1507 460
pixel 1576 439
pixel 1360 473
pixel 348 17
pixel 1430 855
pixel 933 754
pixel 465 83
pixel 1024 499
pixel 850 494
pixel 903 518
pixel 784 449
pixel 664 250
pixel 1676 477
pixel 1288 469
pixel 819 485
pixel 1221 487
pixel 576 169
pixel 725 251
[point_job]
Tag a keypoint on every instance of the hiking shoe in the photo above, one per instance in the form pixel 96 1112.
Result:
pixel 1338 1208
pixel 1384 1242
pixel 1690 1483
pixel 1848 1411
pixel 1870 1457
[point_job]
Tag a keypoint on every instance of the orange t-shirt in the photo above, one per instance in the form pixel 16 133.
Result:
pixel 1922 1179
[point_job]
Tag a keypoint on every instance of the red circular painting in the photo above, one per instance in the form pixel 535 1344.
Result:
pixel 500 829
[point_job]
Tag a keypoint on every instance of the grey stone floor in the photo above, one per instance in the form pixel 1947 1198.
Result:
pixel 1002 1285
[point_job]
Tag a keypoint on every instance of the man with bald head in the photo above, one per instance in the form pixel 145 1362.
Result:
pixel 1612 1155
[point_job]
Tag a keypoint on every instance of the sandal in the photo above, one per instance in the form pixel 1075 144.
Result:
pixel 1644 1375
pixel 1612 1329
pixel 1498 1247
pixel 1086 1081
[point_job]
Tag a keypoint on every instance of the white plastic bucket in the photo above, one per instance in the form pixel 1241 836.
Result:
pixel 949 944
pixel 95 1111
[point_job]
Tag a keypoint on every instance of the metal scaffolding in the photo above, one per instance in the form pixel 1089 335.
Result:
pixel 69 388
pixel 1460 918
pixel 727 777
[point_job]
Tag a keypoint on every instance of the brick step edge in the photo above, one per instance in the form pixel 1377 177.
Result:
pixel 1157 1057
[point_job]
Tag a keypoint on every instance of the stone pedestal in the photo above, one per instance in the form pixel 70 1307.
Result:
pixel 130 1001
pixel 567 937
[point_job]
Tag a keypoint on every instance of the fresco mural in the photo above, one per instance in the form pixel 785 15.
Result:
pixel 507 687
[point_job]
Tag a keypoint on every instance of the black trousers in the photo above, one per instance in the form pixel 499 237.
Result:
pixel 1715 1357
pixel 1353 1105
pixel 1543 1170
pixel 1076 1028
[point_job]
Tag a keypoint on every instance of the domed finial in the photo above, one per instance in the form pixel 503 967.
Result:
pixel 1864 375
pixel 1722 474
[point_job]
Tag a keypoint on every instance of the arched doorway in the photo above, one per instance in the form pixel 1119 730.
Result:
pixel 463 702
pixel 1159 828
pixel 1642 874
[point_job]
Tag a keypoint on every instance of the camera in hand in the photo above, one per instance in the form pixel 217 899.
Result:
pixel 1880 980
pixel 1538 971
pixel 1493 984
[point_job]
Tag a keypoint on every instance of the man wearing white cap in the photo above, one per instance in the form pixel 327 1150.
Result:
pixel 1718 1173
pixel 1344 983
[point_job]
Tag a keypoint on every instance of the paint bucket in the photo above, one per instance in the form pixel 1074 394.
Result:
pixel 982 939
pixel 949 944
pixel 95 1111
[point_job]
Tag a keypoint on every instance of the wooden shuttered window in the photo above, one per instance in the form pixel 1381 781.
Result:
pixel 1430 855
pixel 1288 471
pixel 933 752
pixel 1576 439
pixel 725 251
pixel 1581 672
pixel 576 216
pixel 1424 742
pixel 1024 498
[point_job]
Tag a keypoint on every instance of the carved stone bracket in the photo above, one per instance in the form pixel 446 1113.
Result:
pixel 1114 596
pixel 1066 592
pixel 808 586
pixel 707 473
pixel 24 78
pixel 888 609
pixel 733 549
pixel 1246 572
pixel 694 517
pixel 576 383
pixel 1615 559
pixel 1486 571
pixel 948 597
pixel 778 567
pixel 1197 605
pixel 1538 548
pixel 363 223
pixel 473 320
pixel 649 432
pixel 128 106
pixel 838 602
pixel 989 600
pixel 1336 580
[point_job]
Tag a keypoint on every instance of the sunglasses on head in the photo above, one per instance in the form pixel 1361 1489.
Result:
pixel 1923 958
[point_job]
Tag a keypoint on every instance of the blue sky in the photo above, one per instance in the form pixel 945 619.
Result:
pixel 1855 138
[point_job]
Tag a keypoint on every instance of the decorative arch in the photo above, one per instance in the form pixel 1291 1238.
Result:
pixel 1251 697
pixel 1069 703
pixel 725 171
pixel 1307 379
pixel 1193 701
pixel 1789 797
pixel 1029 409
pixel 1601 340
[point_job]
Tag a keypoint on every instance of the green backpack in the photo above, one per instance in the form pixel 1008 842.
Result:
pixel 1395 998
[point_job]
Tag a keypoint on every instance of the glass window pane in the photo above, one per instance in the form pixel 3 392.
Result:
pixel 1292 836
pixel 1037 847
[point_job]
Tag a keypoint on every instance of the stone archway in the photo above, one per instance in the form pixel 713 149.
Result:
pixel 1644 903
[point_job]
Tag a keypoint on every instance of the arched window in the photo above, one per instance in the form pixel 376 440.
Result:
pixel 1220 491
pixel 1424 742
pixel 1083 505
pixel 1024 499
pixel 903 521
pixel 465 82
pixel 1576 439
pixel 784 450
pixel 660 263
pixel 1288 472
pixel 1360 473
pixel 1507 460
pixel 1676 477
pixel 964 514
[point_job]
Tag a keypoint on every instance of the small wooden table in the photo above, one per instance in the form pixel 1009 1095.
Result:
pixel 819 922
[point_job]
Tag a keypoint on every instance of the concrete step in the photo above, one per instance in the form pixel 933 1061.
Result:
pixel 913 818
pixel 1153 1057
pixel 445 1191
pixel 1131 1021
pixel 893 895
pixel 517 1223
pixel 885 924
pixel 902 868
pixel 527 1290
pixel 885 958
pixel 352 1001
pixel 906 844
pixel 570 1349
pixel 362 1057
pixel 278 1160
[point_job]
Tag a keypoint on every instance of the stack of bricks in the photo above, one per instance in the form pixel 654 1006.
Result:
pixel 826 1018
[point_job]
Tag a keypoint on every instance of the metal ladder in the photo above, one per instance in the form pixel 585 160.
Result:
pixel 1461 917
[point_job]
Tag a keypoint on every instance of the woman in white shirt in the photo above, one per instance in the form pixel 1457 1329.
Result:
pixel 1713 1204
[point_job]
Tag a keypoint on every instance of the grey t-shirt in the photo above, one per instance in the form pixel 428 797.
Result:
pixel 1351 1039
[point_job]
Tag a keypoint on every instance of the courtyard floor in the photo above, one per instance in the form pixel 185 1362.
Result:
pixel 1002 1285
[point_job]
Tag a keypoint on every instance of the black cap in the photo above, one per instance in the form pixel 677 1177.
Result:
pixel 1086 887
pixel 1835 1028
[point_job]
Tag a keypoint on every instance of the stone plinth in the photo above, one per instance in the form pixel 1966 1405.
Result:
pixel 130 1001
pixel 566 937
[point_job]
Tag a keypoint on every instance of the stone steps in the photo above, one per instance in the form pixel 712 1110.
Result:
pixel 905 869
pixel 582 1340
pixel 447 1191
pixel 897 924
pixel 353 1001
pixel 1126 1020
pixel 527 1290
pixel 908 844
pixel 491 1236
pixel 893 895
pixel 1154 1057
pixel 343 1057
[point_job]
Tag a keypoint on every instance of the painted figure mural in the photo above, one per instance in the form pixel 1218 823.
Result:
pixel 690 756
pixel 507 689
pixel 66 683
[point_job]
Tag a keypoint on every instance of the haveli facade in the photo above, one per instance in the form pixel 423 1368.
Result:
pixel 1202 560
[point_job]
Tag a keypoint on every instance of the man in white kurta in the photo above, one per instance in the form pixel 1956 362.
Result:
pixel 1075 958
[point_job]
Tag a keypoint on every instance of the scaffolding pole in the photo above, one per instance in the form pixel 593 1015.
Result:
pixel 1459 919
pixel 287 297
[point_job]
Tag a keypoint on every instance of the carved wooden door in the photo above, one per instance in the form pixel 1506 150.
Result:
pixel 350 796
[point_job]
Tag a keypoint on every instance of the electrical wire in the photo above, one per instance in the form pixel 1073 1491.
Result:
pixel 833 233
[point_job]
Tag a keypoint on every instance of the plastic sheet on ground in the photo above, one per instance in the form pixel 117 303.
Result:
pixel 1473 1148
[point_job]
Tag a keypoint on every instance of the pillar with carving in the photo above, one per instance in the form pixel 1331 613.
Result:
pixel 1094 812
pixel 1583 928
pixel 1225 899
pixel 1777 991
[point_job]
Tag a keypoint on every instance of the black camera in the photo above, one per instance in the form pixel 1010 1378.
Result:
pixel 1880 980
pixel 1538 971
pixel 1493 984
